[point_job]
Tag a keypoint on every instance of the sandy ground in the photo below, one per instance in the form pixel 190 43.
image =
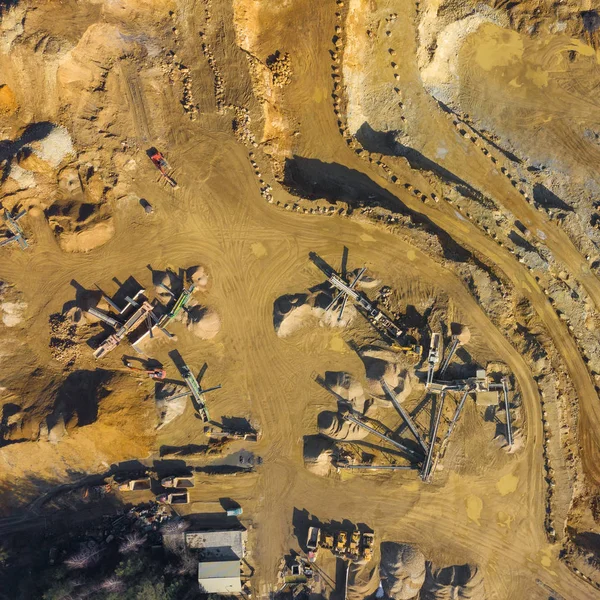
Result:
pixel 486 507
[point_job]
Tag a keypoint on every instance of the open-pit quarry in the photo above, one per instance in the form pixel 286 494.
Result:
pixel 169 170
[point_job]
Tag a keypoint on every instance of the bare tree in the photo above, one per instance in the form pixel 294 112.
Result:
pixel 188 565
pixel 172 533
pixel 85 558
pixel 174 526
pixel 112 584
pixel 132 542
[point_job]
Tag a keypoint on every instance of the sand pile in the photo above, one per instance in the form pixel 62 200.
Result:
pixel 462 332
pixel 317 455
pixel 167 410
pixel 293 311
pixel 347 388
pixel 402 570
pixel 199 277
pixel 54 147
pixel 166 279
pixel 12 313
pixel 12 307
pixel 203 322
pixel 332 425
pixel 8 101
pixel 362 581
pixel 389 366
pixel 290 313
pixel 456 582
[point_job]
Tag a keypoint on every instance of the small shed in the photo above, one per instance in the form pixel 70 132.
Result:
pixel 220 577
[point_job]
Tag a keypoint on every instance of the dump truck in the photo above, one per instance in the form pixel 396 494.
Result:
pixel 312 542
pixel 354 544
pixel 174 498
pixel 367 543
pixel 340 543
pixel 135 485
pixel 177 482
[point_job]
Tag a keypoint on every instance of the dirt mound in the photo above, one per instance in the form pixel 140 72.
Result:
pixel 54 147
pixel 199 277
pixel 462 332
pixel 290 313
pixel 362 581
pixel 317 455
pixel 402 570
pixel 8 100
pixel 455 582
pixel 332 425
pixel 389 366
pixel 203 322
pixel 347 388
pixel 293 311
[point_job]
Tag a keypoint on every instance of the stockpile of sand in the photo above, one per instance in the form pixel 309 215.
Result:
pixel 347 388
pixel 317 455
pixel 457 582
pixel 290 313
pixel 402 570
pixel 389 366
pixel 333 426
pixel 362 581
pixel 54 147
pixel 203 322
pixel 293 311
pixel 168 280
pixel 462 332
pixel 199 277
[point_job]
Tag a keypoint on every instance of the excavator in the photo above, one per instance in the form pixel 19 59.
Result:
pixel 162 165
pixel 156 373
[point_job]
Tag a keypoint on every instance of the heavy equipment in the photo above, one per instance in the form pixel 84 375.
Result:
pixel 162 165
pixel 194 390
pixel 353 546
pixel 340 543
pixel 367 543
pixel 327 541
pixel 312 543
pixel 156 373
pixel 14 229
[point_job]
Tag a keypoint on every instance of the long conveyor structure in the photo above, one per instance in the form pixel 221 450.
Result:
pixel 352 419
pixel 426 470
pixel 407 419
pixel 450 355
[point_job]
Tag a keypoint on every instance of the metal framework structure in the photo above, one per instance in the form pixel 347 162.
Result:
pixel 409 422
pixel 195 390
pixel 398 445
pixel 143 313
pixel 453 347
pixel 347 291
pixel 426 469
pixel 15 230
